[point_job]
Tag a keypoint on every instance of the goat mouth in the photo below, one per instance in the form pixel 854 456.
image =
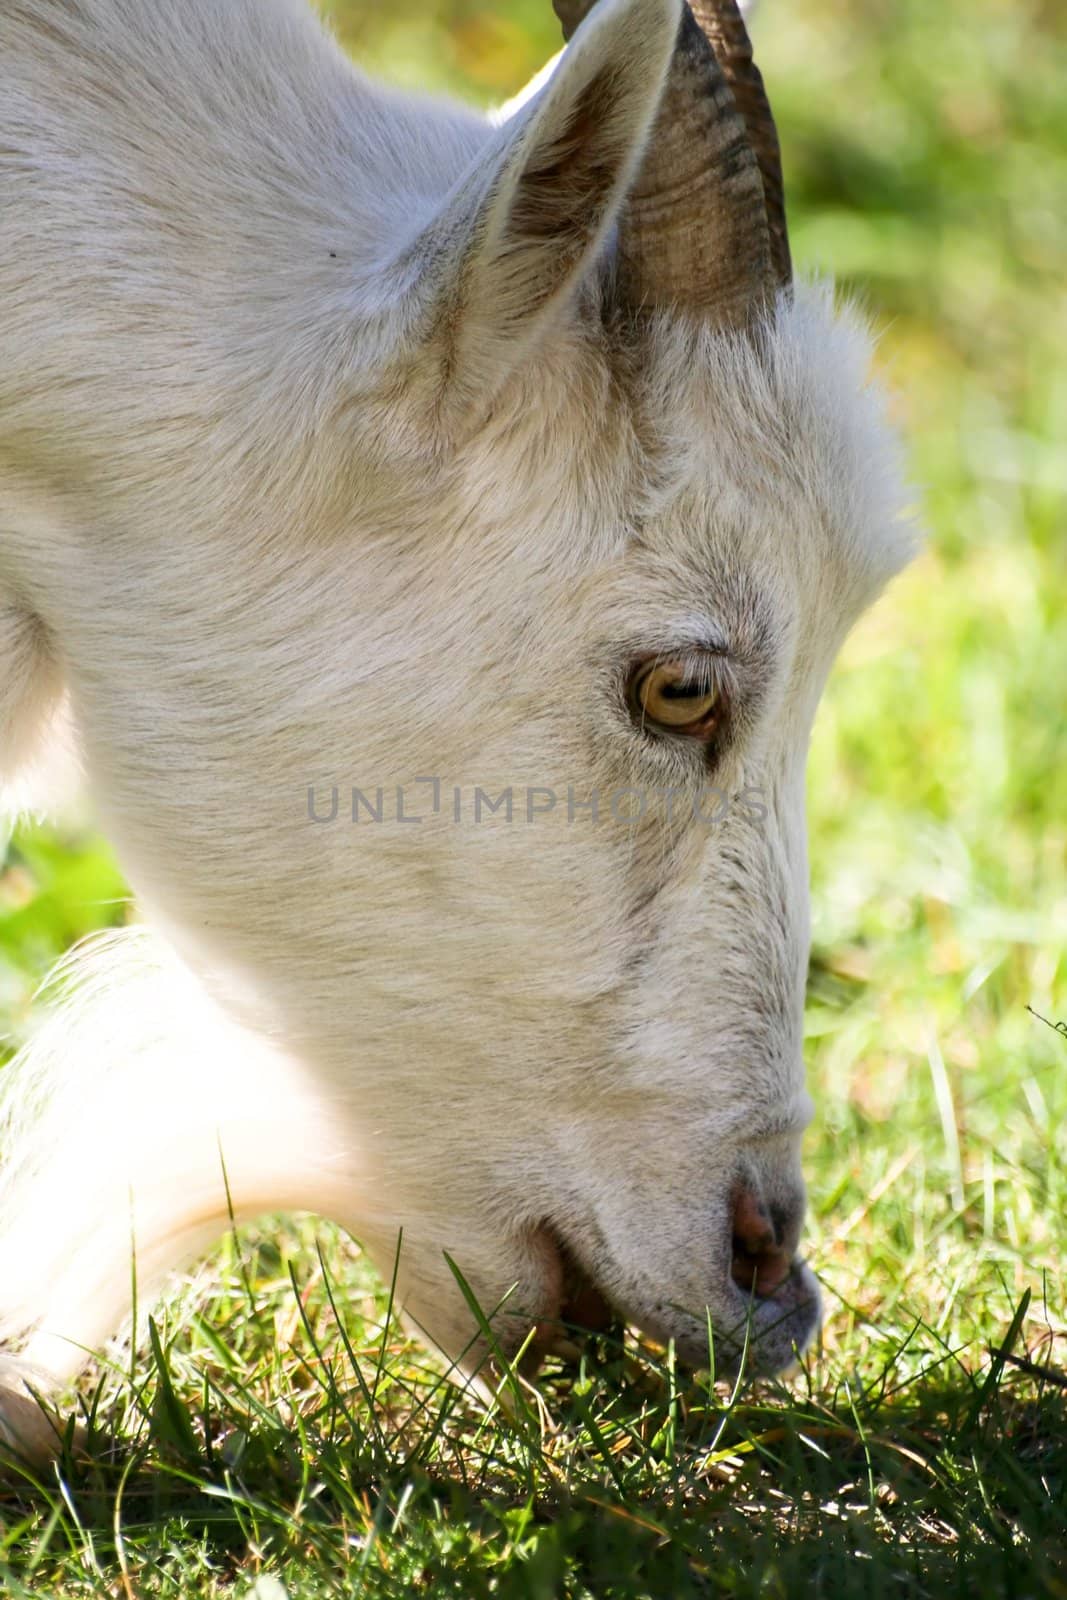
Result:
pixel 584 1307
pixel 774 1309
pixel 580 1306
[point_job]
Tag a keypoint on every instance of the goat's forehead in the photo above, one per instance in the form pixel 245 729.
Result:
pixel 695 457
pixel 779 447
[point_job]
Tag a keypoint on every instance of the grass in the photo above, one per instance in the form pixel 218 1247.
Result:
pixel 278 1432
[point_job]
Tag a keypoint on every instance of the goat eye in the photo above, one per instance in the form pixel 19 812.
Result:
pixel 670 695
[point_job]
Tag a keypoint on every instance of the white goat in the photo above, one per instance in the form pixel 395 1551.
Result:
pixel 348 441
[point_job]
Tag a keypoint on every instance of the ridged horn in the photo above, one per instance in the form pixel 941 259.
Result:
pixel 724 26
pixel 695 233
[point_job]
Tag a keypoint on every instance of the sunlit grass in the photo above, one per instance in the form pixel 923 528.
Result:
pixel 261 1433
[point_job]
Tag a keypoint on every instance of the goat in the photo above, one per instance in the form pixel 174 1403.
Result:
pixel 499 479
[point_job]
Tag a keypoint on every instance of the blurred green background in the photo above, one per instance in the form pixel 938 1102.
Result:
pixel 926 163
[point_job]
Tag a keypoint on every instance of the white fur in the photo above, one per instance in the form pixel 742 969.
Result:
pixel 323 460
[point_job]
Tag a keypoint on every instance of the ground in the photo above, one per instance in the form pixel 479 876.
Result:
pixel 279 1435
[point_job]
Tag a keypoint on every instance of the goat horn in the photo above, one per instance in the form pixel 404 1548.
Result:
pixel 724 27
pixel 695 232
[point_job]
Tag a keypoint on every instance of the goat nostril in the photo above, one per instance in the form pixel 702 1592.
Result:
pixel 760 1265
pixel 754 1228
pixel 760 1273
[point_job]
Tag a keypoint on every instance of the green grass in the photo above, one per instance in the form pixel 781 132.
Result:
pixel 277 1428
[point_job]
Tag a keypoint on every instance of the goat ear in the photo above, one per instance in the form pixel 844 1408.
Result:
pixel 533 216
